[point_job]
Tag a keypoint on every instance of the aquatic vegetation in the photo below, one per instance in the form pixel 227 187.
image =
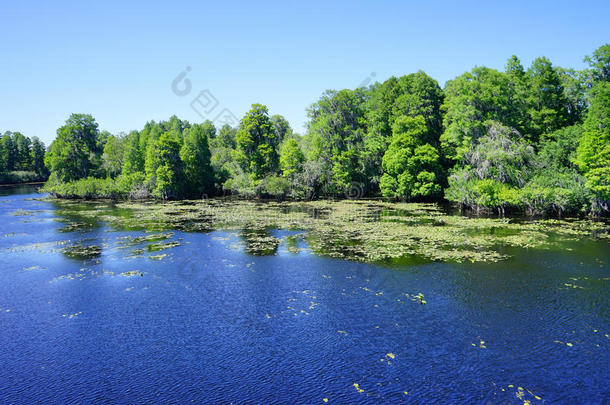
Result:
pixel 158 257
pixel 154 247
pixel 370 231
pixel 80 251
pixel 388 358
pixel 419 298
pixel 132 273
pixel 153 237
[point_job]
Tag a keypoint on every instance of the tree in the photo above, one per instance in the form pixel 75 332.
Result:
pixel 336 130
pixel 593 153
pixel 114 152
pixel 9 151
pixel 500 163
pixel 291 157
pixel 257 143
pixel 558 149
pixel 195 155
pixel 225 138
pixel 164 168
pixel 600 63
pixel 379 120
pixel 546 100
pixel 281 126
pixel 411 165
pixel 472 99
pixel 412 95
pixel 575 94
pixel 133 156
pixel 502 155
pixel 73 153
pixel 22 148
pixel 37 158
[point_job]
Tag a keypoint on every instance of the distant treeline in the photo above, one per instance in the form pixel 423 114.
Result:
pixel 534 140
pixel 21 159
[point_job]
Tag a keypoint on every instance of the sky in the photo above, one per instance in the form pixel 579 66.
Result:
pixel 117 60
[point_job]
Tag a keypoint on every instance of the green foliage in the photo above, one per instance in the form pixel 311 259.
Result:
pixel 556 192
pixel 133 157
pixel 600 63
pixel 257 143
pixel 112 157
pixel 558 149
pixel 502 155
pixel 164 168
pixel 281 127
pixel 21 158
pixel 72 155
pixel 499 164
pixel 547 102
pixel 410 96
pixel 411 165
pixel 534 139
pixel 195 155
pixel 37 153
pixel 291 157
pixel 277 186
pixel 337 127
pixel 471 100
pixel 225 138
pixel 19 176
pixel 593 153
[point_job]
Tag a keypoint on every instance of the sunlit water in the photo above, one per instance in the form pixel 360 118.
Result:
pixel 209 323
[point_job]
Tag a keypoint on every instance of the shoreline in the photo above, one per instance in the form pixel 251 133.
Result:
pixel 31 183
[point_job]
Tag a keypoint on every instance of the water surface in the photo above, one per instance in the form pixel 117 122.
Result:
pixel 200 320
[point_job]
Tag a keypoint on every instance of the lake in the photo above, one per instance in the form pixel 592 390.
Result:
pixel 103 313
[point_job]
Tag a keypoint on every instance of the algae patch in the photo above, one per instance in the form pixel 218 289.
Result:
pixel 369 231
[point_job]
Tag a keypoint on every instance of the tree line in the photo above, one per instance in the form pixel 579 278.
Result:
pixel 21 158
pixel 535 140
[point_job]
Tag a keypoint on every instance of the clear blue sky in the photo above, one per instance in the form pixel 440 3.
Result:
pixel 116 59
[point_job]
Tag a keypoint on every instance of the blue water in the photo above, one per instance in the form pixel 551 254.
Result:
pixel 211 324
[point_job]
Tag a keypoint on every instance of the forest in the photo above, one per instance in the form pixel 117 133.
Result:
pixel 533 140
pixel 21 159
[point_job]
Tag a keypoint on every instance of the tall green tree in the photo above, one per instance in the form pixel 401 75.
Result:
pixel 9 151
pixel 547 102
pixel 133 155
pixel 291 157
pixel 22 146
pixel 73 153
pixel 336 130
pixel 411 164
pixel 472 99
pixel 281 126
pixel 600 63
pixel 113 155
pixel 412 95
pixel 195 155
pixel 37 158
pixel 164 168
pixel 225 138
pixel 593 153
pixel 257 143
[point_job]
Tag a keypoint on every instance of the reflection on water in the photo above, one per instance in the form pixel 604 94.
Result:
pixel 158 315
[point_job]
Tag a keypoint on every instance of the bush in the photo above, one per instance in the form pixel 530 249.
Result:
pixel 15 177
pixel 124 187
pixel 557 193
pixel 277 186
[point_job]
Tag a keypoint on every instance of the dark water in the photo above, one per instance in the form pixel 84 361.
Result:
pixel 211 324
